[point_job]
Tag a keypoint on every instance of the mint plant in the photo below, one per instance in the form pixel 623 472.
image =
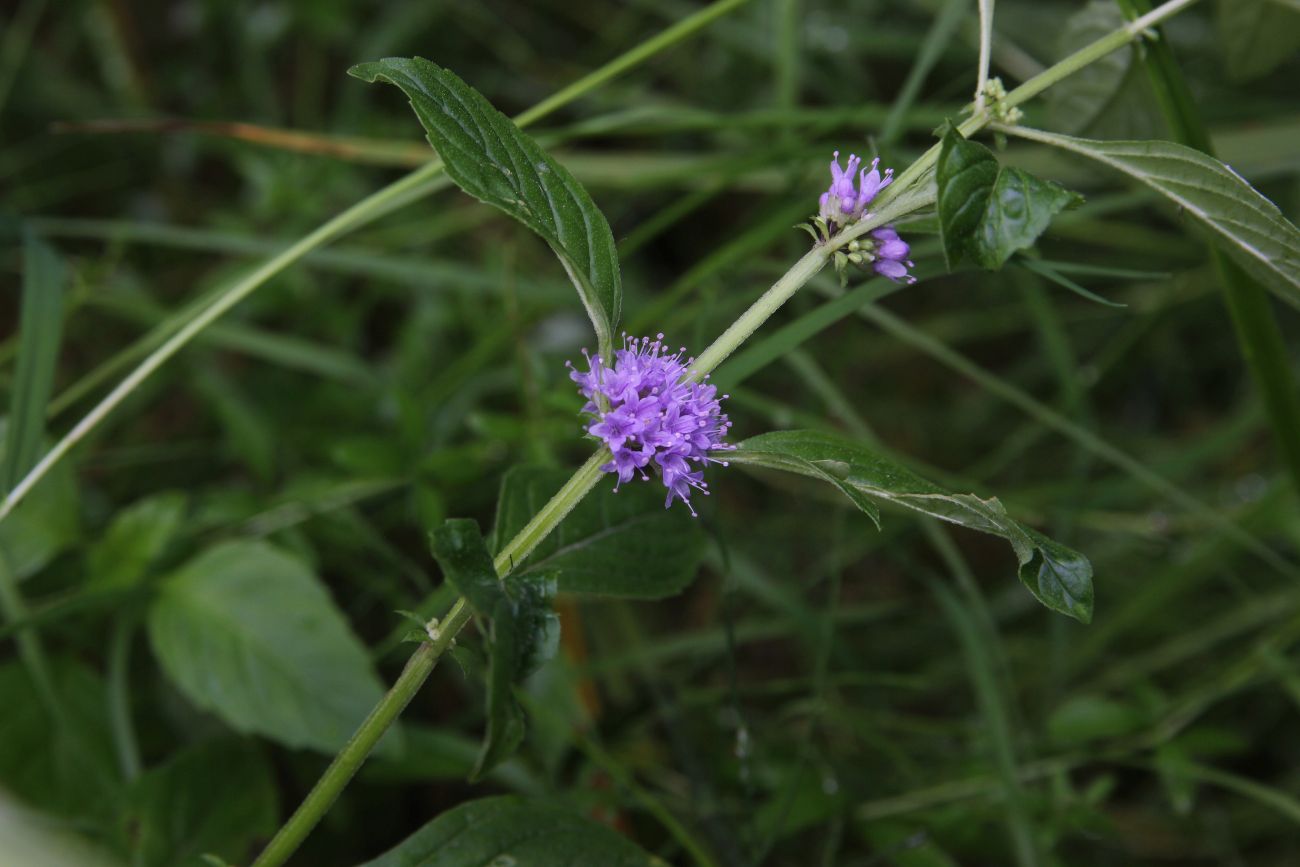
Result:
pixel 653 414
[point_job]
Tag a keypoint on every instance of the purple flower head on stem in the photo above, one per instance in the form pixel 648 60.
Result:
pixel 844 202
pixel 891 255
pixel 653 418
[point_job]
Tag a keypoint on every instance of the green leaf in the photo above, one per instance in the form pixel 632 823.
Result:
pixel 612 544
pixel 524 632
pixel 39 332
pixel 987 212
pixel 493 160
pixel 218 797
pixel 250 634
pixel 1257 35
pixel 1252 228
pixel 1058 577
pixel 514 831
pixel 138 536
pixel 1109 98
pixel 964 176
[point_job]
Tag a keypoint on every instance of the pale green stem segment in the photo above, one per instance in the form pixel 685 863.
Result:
pixel 986 47
pixel 897 199
pixel 414 186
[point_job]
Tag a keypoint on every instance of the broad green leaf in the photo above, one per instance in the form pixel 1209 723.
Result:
pixel 138 536
pixel 1109 98
pixel 493 160
pixel 964 178
pixel 987 212
pixel 507 831
pixel 524 633
pixel 1252 229
pixel 1058 577
pixel 45 524
pixel 1257 35
pixel 65 767
pixel 250 634
pixel 39 332
pixel 218 797
pixel 621 543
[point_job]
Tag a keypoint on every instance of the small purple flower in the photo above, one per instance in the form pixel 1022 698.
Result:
pixel 654 416
pixel 844 203
pixel 891 255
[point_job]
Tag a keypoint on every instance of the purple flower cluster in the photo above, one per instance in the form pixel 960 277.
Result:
pixel 843 202
pixel 649 414
pixel 891 255
pixel 846 202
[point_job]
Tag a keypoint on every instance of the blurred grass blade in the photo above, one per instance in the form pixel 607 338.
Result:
pixel 1045 270
pixel 937 40
pixel 40 331
pixel 356 149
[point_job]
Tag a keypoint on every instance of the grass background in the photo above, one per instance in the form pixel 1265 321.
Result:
pixel 824 693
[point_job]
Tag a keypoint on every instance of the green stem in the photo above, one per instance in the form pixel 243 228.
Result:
pixel 1256 328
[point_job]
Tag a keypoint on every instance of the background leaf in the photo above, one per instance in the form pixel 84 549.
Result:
pixel 1060 578
pixel 1110 98
pixel 1256 233
pixel 491 159
pixel 216 797
pixel 138 536
pixel 248 633
pixel 988 212
pixel 513 831
pixel 1257 35
pixel 613 544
